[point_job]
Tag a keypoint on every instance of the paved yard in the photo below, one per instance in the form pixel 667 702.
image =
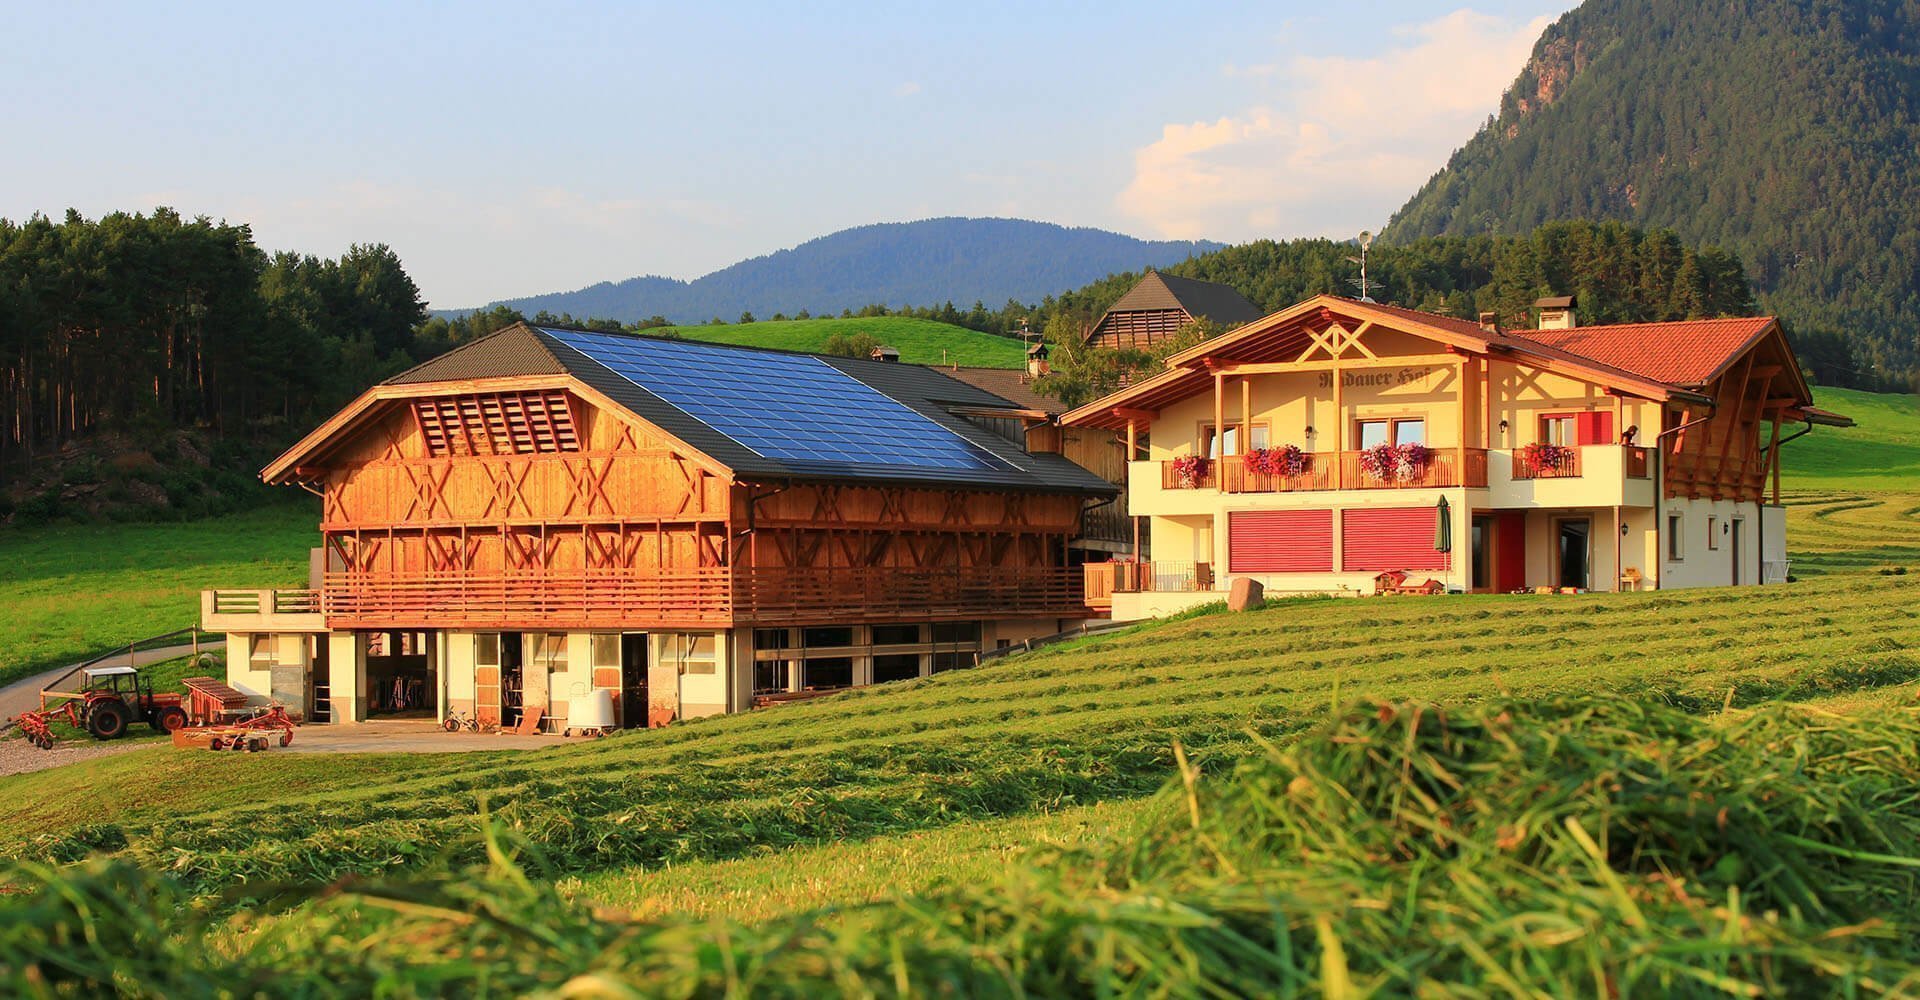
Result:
pixel 408 736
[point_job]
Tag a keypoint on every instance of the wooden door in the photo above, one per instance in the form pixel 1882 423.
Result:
pixel 1510 551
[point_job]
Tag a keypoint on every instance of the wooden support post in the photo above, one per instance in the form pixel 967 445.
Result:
pixel 1133 449
pixel 1219 417
pixel 1460 433
pixel 1246 415
pixel 1486 402
pixel 1773 458
pixel 1339 431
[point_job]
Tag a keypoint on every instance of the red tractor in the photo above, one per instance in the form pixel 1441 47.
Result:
pixel 113 699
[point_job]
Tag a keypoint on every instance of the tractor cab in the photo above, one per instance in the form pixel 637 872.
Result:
pixel 122 681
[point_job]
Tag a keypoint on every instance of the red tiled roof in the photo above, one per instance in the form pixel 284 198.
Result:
pixel 1686 352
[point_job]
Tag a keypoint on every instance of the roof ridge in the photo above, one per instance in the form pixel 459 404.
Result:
pixel 445 357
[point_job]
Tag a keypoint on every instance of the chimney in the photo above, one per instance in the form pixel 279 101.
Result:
pixel 1556 312
pixel 1037 361
pixel 1490 321
pixel 884 353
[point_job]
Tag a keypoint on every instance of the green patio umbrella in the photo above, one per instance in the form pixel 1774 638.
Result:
pixel 1443 526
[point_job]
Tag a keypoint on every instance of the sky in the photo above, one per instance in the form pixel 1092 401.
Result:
pixel 512 149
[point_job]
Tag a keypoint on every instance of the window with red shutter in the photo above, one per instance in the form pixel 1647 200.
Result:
pixel 1280 541
pixel 1376 539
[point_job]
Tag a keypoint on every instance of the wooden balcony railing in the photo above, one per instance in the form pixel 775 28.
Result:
pixel 1565 464
pixel 1103 580
pixel 1108 522
pixel 1200 477
pixel 1330 471
pixel 263 602
pixel 697 597
pixel 1442 468
pixel 1235 477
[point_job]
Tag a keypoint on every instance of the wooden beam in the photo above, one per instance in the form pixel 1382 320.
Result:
pixel 1339 435
pixel 1286 367
pixel 1131 413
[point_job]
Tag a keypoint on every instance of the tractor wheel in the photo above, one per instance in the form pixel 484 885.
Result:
pixel 169 719
pixel 107 721
pixel 43 740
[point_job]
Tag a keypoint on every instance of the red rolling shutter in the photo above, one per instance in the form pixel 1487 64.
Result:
pixel 1280 541
pixel 1376 539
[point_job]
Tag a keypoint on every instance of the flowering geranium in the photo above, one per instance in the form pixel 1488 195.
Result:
pixel 1541 457
pixel 1284 462
pixel 1411 461
pixel 1380 461
pixel 1188 470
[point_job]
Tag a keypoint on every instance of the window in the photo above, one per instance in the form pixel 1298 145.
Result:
pixel 688 653
pixel 896 667
pixel 1713 533
pixel 943 662
pixel 1402 430
pixel 550 650
pixel 896 635
pixel 1561 428
pixel 486 649
pixel 260 651
pixel 770 638
pixel 827 672
pixel 834 637
pixel 771 675
pixel 957 632
pixel 606 649
pixel 1676 549
pixel 1210 443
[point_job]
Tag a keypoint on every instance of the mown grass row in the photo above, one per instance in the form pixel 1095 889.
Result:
pixel 1592 846
pixel 1852 532
pixel 1038 732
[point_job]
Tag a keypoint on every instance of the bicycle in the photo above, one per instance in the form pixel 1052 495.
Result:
pixel 457 721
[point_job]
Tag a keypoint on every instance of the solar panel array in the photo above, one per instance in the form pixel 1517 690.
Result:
pixel 789 407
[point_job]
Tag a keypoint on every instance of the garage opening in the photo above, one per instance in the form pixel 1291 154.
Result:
pixel 401 681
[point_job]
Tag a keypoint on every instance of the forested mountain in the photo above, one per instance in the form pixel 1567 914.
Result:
pixel 895 264
pixel 1787 131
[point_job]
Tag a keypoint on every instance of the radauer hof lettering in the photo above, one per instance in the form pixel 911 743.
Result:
pixel 1385 378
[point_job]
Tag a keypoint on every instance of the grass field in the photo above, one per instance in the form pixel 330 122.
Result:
pixel 1881 453
pixel 933 788
pixel 919 341
pixel 72 590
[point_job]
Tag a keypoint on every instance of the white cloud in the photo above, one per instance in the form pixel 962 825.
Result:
pixel 907 89
pixel 1347 143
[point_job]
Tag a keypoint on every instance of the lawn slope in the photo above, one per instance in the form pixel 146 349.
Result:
pixel 71 590
pixel 919 341
pixel 1034 734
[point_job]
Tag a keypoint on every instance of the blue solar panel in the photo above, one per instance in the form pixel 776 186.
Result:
pixel 790 407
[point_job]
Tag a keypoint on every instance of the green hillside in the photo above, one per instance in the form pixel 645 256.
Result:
pixel 1784 130
pixel 1882 452
pixel 919 341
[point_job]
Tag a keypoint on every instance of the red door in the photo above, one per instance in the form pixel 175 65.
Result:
pixel 1510 551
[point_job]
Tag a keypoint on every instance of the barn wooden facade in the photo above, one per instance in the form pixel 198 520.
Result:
pixel 547 515
pixel 1160 307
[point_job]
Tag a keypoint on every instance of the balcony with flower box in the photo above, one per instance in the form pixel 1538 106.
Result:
pixel 1590 475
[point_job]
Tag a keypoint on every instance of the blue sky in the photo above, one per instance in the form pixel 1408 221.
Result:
pixel 508 149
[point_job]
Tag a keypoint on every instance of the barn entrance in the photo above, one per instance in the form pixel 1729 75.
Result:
pixel 632 705
pixel 401 679
pixel 513 658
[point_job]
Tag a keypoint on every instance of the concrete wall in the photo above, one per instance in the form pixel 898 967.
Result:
pixel 1707 556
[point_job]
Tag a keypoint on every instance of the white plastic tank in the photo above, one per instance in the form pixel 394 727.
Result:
pixel 595 711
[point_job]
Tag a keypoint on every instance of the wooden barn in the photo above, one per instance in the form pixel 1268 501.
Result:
pixel 548 518
pixel 1159 306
